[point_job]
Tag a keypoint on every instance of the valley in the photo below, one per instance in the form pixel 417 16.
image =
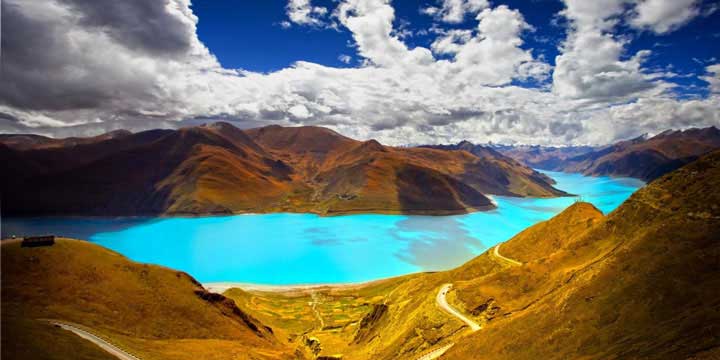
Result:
pixel 645 157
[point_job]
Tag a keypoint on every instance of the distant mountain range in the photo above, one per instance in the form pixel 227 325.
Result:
pixel 643 158
pixel 220 169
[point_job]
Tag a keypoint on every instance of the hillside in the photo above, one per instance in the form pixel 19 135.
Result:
pixel 640 283
pixel 219 169
pixel 154 311
pixel 642 158
pixel 495 164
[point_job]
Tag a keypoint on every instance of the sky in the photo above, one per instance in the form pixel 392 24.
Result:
pixel 549 72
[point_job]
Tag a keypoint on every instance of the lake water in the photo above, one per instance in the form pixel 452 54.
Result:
pixel 305 248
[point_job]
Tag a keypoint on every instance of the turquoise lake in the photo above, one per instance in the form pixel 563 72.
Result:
pixel 305 248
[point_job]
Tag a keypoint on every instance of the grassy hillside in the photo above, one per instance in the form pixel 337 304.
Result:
pixel 640 283
pixel 31 339
pixel 149 309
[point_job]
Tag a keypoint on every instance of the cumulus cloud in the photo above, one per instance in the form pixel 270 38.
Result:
pixel 70 57
pixel 451 41
pixel 591 64
pixel 494 55
pixel 662 16
pixel 302 12
pixel 371 23
pixel 68 70
pixel 345 59
pixel 713 77
pixel 454 11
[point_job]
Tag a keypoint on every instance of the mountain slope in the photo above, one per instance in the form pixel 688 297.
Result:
pixel 146 173
pixel 542 157
pixel 502 175
pixel 219 169
pixel 490 173
pixel 642 158
pixel 141 307
pixel 640 283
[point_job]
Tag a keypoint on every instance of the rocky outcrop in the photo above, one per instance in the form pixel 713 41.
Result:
pixel 369 323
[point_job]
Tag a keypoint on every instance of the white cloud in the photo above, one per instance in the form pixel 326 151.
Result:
pixel 345 59
pixel 662 16
pixel 494 55
pixel 299 111
pixel 451 41
pixel 591 64
pixel 302 12
pixel 454 11
pixel 370 22
pixel 90 79
pixel 713 77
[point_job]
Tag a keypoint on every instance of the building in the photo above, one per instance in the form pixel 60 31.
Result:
pixel 35 241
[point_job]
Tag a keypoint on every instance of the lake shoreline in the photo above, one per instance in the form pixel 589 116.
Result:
pixel 221 287
pixel 303 252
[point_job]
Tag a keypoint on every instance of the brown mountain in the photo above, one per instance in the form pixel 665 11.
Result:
pixel 32 141
pixel 543 157
pixel 218 168
pixel 500 163
pixel 642 158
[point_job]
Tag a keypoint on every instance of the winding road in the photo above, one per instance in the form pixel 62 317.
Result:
pixel 496 252
pixel 436 353
pixel 103 344
pixel 443 304
pixel 313 305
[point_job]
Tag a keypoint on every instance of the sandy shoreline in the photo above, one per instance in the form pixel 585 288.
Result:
pixel 220 287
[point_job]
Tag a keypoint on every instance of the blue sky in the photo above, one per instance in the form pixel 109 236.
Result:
pixel 549 72
pixel 249 35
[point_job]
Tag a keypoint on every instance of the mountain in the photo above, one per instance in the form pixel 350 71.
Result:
pixel 638 283
pixel 497 165
pixel 32 141
pixel 220 169
pixel 543 157
pixel 643 158
pixel 157 312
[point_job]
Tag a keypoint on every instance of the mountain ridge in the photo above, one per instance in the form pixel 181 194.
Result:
pixel 220 169
pixel 644 157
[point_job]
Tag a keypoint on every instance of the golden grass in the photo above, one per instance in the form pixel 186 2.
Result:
pixel 83 283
